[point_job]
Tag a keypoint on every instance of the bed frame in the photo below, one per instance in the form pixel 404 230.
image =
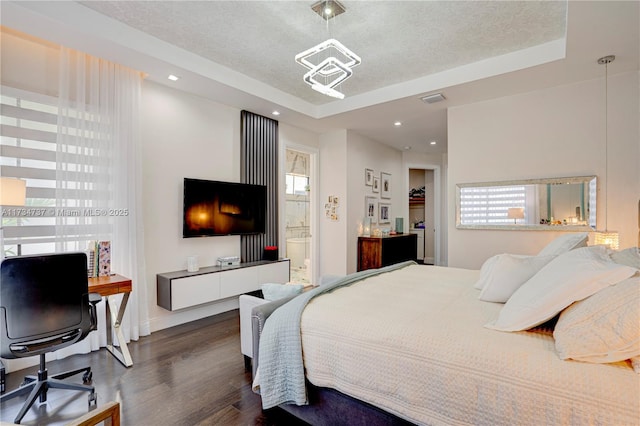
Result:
pixel 326 406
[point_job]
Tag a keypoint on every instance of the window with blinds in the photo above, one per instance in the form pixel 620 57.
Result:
pixel 490 205
pixel 28 148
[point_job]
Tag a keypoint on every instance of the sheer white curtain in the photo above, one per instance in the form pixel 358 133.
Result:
pixel 98 174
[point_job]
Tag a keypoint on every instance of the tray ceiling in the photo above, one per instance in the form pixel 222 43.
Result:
pixel 397 41
pixel 241 53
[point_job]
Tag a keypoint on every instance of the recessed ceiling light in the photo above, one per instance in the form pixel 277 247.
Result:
pixel 276 113
pixel 397 123
pixel 173 77
pixel 433 142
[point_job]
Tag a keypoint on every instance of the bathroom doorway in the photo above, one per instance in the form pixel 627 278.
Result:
pixel 299 214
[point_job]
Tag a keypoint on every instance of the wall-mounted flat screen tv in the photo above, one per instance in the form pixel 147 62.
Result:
pixel 213 208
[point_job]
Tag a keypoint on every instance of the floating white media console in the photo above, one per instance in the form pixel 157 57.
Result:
pixel 182 289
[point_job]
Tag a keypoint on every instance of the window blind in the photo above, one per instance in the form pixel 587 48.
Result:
pixel 28 151
pixel 490 205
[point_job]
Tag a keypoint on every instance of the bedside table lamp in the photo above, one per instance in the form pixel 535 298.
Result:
pixel 515 213
pixel 12 193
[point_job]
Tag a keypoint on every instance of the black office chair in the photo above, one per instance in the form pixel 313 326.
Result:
pixel 45 305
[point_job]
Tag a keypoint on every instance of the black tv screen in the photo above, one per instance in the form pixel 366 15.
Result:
pixel 214 208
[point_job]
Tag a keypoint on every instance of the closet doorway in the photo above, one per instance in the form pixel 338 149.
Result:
pixel 424 217
pixel 299 207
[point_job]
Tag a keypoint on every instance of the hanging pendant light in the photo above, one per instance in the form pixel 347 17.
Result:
pixel 329 62
pixel 606 237
pixel 328 73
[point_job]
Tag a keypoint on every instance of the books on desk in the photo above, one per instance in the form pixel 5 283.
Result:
pixel 99 259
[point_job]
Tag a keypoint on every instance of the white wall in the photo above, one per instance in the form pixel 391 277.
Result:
pixel 183 136
pixel 363 153
pixel 333 182
pixel 554 132
pixel 291 135
pixel 28 63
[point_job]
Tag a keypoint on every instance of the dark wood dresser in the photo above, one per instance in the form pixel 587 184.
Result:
pixel 376 252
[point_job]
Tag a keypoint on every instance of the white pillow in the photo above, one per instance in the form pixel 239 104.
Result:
pixel 569 277
pixel 272 291
pixel 564 243
pixel 560 245
pixel 508 273
pixel 629 257
pixel 485 272
pixel 602 328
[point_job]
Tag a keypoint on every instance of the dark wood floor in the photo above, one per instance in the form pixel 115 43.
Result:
pixel 192 374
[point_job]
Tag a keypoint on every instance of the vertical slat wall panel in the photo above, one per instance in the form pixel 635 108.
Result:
pixel 259 166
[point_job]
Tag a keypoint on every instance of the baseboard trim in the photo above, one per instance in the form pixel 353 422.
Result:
pixel 172 319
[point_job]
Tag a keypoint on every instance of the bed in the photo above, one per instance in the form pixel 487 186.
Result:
pixel 411 344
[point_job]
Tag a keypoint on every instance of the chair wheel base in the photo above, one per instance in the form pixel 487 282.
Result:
pixel 93 399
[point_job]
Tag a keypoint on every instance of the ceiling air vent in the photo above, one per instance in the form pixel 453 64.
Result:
pixel 432 99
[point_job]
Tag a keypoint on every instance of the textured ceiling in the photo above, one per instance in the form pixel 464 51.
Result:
pixel 241 53
pixel 397 40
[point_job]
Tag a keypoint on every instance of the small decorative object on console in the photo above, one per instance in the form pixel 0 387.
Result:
pixel 270 253
pixel 229 261
pixel 192 264
pixel 399 225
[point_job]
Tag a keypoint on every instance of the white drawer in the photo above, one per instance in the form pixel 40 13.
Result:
pixel 238 281
pixel 190 291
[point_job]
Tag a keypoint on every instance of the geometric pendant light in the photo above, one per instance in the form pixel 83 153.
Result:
pixel 330 62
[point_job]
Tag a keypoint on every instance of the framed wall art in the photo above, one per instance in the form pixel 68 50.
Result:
pixel 384 213
pixel 371 208
pixel 368 177
pixel 385 185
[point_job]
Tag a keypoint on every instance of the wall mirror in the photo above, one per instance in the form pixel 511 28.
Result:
pixel 567 204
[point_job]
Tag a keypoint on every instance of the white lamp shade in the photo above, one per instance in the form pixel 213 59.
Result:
pixel 607 238
pixel 515 213
pixel 12 191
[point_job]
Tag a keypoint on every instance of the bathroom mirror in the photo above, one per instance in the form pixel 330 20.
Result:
pixel 567 204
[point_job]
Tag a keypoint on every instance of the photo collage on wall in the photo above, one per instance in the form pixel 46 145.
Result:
pixel 331 208
pixel 378 211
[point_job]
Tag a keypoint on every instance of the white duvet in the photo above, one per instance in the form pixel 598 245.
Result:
pixel 413 343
